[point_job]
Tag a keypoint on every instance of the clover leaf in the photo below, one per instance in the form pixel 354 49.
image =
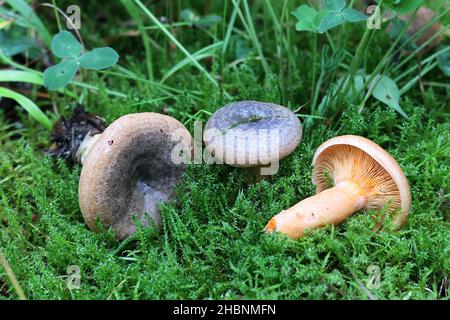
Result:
pixel 335 14
pixel 305 15
pixel 351 15
pixel 100 58
pixel 64 45
pixel 330 21
pixel 60 74
pixel 334 6
pixel 309 19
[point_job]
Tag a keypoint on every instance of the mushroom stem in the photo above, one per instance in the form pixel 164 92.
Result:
pixel 330 206
pixel 85 146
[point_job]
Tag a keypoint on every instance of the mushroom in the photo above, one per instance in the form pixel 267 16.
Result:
pixel 350 173
pixel 129 169
pixel 423 17
pixel 252 134
pixel 419 23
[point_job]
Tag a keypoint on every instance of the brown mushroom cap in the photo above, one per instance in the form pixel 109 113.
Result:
pixel 251 117
pixel 421 20
pixel 129 170
pixel 358 159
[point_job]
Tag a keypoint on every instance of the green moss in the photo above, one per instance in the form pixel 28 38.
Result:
pixel 212 245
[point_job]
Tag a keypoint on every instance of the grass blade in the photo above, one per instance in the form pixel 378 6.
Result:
pixel 28 105
pixel 20 76
pixel 133 11
pixel 248 24
pixel 178 44
pixel 12 277
pixel 28 13
pixel 413 81
pixel 200 54
pixel 228 32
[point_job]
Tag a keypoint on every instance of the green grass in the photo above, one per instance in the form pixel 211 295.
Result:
pixel 212 245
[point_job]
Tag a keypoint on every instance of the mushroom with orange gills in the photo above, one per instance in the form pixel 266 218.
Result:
pixel 350 173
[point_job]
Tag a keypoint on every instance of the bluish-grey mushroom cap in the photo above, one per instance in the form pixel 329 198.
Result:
pixel 251 133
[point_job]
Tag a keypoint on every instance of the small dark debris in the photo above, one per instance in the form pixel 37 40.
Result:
pixel 110 142
pixel 67 135
pixel 208 63
pixel 35 217
pixel 9 106
pixel 4 290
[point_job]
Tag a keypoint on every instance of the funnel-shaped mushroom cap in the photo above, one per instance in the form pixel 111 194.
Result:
pixel 252 133
pixel 357 159
pixel 130 169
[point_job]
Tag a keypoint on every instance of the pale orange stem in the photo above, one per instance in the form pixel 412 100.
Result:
pixel 330 206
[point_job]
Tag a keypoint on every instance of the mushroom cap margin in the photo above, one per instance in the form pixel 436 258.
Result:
pixel 290 132
pixel 384 159
pixel 92 191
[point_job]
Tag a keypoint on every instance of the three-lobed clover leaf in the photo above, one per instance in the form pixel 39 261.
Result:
pixel 334 14
pixel 65 46
pixel 338 14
